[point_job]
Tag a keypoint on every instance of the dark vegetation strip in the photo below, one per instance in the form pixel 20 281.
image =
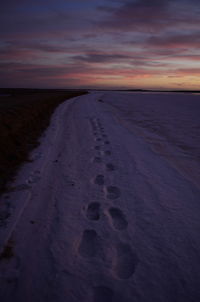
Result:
pixel 24 115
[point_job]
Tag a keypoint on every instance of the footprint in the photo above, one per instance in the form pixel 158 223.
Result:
pixel 126 261
pixel 99 180
pixel 118 219
pixel 102 294
pixel 98 139
pixel 113 192
pixel 107 152
pixel 89 244
pixel 106 142
pixel 19 188
pixel 97 147
pixel 34 177
pixel 93 211
pixel 97 159
pixel 104 135
pixel 110 167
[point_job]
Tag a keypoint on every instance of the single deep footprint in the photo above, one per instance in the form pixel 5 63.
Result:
pixel 126 261
pixel 110 167
pixel 106 142
pixel 113 192
pixel 102 294
pixel 99 180
pixel 118 219
pixel 97 147
pixel 93 211
pixel 89 244
pixel 97 159
pixel 33 179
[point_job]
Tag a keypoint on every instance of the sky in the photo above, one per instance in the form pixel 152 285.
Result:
pixel 101 44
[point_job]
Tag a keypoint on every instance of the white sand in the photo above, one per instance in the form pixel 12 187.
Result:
pixel 109 209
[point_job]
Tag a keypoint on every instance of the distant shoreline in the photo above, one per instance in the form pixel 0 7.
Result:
pixel 148 90
pixel 8 91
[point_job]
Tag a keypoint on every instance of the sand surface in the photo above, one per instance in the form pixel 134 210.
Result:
pixel 109 208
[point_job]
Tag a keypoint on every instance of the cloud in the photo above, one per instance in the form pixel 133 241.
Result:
pixel 188 71
pixel 151 16
pixel 101 57
pixel 176 40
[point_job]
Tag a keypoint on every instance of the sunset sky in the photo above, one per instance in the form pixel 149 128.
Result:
pixel 100 44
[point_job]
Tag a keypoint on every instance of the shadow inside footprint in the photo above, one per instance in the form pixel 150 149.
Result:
pixel 106 142
pixel 97 147
pixel 118 219
pixel 102 294
pixel 113 192
pixel 110 167
pixel 99 180
pixel 126 261
pixel 93 211
pixel 89 243
pixel 97 159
